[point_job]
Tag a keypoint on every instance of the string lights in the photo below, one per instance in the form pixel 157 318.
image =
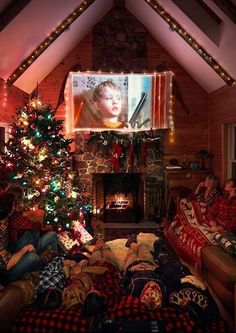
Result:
pixel 48 41
pixel 5 94
pixel 175 26
pixel 171 117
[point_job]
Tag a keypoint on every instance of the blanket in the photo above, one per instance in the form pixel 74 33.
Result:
pixel 188 232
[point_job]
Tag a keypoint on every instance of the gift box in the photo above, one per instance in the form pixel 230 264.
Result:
pixel 67 239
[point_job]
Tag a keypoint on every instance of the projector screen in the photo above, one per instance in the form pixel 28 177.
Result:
pixel 124 102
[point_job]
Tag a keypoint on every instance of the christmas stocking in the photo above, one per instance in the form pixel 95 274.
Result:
pixel 144 154
pixel 137 150
pixel 131 154
pixel 122 158
pixel 116 156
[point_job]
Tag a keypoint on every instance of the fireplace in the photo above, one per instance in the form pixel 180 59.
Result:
pixel 118 197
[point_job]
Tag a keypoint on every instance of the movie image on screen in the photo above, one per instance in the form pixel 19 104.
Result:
pixel 124 102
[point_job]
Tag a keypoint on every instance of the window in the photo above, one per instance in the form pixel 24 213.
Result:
pixel 4 135
pixel 231 151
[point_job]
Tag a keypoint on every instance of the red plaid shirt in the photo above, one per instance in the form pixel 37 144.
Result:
pixel 223 212
pixel 18 223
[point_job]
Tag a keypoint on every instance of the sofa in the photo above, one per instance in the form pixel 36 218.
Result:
pixel 199 249
pixel 219 271
pixel 13 298
pixel 18 314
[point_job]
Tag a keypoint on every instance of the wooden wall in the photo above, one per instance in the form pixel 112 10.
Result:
pixel 222 111
pixel 10 99
pixel 190 108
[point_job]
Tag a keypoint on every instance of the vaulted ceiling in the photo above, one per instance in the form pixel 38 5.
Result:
pixel 36 35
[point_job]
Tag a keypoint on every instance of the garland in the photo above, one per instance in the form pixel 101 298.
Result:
pixel 122 147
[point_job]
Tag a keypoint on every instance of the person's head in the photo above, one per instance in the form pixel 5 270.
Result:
pixel 94 303
pixel 19 194
pixel 3 185
pixel 212 181
pixel 107 100
pixel 6 204
pixel 151 296
pixel 230 186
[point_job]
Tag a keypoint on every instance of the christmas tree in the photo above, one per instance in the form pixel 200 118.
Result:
pixel 38 157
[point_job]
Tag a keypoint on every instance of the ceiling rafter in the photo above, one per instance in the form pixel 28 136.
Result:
pixel 175 26
pixel 228 8
pixel 11 11
pixel 64 25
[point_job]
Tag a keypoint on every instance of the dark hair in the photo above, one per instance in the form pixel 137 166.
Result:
pixel 94 304
pixel 18 192
pixel 50 298
pixel 232 181
pixel 6 204
pixel 3 184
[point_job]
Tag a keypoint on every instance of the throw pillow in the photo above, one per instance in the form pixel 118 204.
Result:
pixel 120 250
pixel 147 238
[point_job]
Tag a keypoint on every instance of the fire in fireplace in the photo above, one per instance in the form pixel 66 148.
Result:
pixel 118 197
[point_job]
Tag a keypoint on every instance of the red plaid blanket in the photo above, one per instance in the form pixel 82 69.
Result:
pixel 170 319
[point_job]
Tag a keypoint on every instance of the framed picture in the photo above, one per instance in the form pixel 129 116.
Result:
pixel 123 102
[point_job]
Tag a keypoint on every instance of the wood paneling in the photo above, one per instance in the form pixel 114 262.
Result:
pixel 222 110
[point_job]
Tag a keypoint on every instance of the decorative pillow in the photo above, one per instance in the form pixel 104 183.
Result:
pixel 227 241
pixel 147 238
pixel 120 250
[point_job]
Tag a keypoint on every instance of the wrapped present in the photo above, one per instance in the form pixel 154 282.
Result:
pixel 84 235
pixel 67 239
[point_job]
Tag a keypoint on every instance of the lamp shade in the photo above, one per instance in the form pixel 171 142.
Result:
pixel 203 154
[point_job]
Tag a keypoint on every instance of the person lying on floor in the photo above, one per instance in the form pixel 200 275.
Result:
pixel 158 281
pixel 91 280
pixel 66 281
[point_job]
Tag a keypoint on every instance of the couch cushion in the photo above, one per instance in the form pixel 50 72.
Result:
pixel 13 298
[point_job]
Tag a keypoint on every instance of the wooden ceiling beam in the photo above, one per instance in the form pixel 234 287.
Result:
pixel 11 11
pixel 228 8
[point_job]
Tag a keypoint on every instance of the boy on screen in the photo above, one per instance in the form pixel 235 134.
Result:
pixel 107 101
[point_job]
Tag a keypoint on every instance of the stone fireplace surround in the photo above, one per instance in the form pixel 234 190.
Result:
pixel 93 163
